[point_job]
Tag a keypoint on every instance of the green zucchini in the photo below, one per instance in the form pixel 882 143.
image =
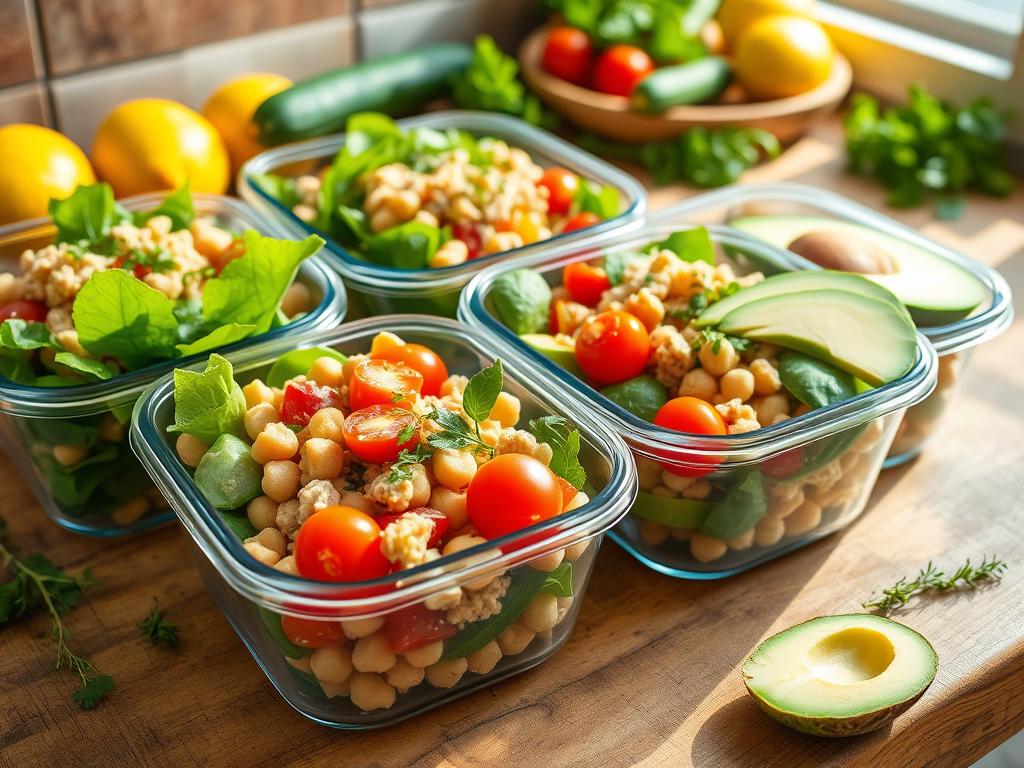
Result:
pixel 392 84
pixel 691 83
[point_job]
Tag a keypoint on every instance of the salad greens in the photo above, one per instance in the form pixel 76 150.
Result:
pixel 208 404
pixel 929 148
pixel 491 83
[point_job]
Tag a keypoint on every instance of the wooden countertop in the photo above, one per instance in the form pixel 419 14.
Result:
pixel 650 675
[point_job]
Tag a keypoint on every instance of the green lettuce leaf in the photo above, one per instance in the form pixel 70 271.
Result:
pixel 88 214
pixel 690 245
pixel 281 188
pixel 177 206
pixel 219 337
pixel 594 198
pixel 407 246
pixel 94 369
pixel 208 404
pixel 18 334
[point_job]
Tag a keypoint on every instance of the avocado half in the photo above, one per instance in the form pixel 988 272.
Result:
pixel 934 289
pixel 840 675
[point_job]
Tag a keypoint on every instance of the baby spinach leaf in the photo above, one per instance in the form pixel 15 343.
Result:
pixel 739 510
pixel 94 369
pixel 18 334
pixel 297 362
pixel 406 246
pixel 690 245
pixel 208 404
pixel 522 299
pixel 615 264
pixel 565 447
pixel 813 382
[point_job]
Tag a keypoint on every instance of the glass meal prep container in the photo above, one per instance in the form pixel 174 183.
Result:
pixel 772 490
pixel 549 562
pixel 953 339
pixel 108 493
pixel 376 289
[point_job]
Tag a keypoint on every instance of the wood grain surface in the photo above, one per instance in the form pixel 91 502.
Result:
pixel 650 675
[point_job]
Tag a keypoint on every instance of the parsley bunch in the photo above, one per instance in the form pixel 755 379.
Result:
pixel 491 83
pixel 37 582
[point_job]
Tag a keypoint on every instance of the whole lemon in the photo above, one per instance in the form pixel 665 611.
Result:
pixel 230 108
pixel 37 163
pixel 781 56
pixel 735 16
pixel 147 145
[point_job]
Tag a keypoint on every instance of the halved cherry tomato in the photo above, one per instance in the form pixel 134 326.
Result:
pixel 785 464
pixel 612 346
pixel 32 311
pixel 470 235
pixel 568 491
pixel 510 492
pixel 422 359
pixel 620 68
pixel 381 382
pixel 310 633
pixel 340 544
pixel 561 185
pixel 415 627
pixel 373 433
pixel 695 417
pixel 302 399
pixel 585 282
pixel 581 221
pixel 567 54
pixel 439 519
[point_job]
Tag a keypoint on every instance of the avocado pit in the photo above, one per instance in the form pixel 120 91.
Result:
pixel 845 252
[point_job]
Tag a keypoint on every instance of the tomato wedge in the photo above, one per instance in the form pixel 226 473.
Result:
pixel 374 434
pixel 32 311
pixel 415 627
pixel 303 399
pixel 381 382
pixel 421 359
pixel 585 282
pixel 310 633
pixel 439 519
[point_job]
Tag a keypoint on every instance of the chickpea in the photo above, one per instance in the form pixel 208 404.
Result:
pixel 420 487
pixel 484 660
pixel 404 676
pixel 357 628
pixel 190 449
pixel 369 692
pixel 332 664
pixel 803 519
pixel 769 407
pixel 257 392
pixel 272 539
pixel 698 383
pixel 446 674
pixel 737 383
pixel 766 377
pixel 287 565
pixel 548 562
pixel 648 472
pixel 358 500
pixel 541 614
pixel 514 640
pixel 743 541
pixel 69 455
pixel 373 653
pixel 326 371
pixel 699 489
pixel 768 531
pixel 130 511
pixel 564 605
pixel 327 423
pixel 262 512
pixel 281 480
pixel 460 543
pixel 258 418
pixel 675 482
pixel 331 690
pixel 652 534
pixel 275 443
pixel 706 549
pixel 451 504
pixel 579 500
pixel 297 299
pixel 575 551
pixel 111 430
pixel 261 553
pixel 425 655
pixel 717 363
pixel 323 459
pixel 506 410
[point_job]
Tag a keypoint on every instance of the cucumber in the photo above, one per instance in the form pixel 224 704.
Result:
pixel 392 84
pixel 691 83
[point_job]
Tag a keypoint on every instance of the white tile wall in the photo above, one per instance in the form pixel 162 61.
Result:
pixel 24 104
pixel 82 101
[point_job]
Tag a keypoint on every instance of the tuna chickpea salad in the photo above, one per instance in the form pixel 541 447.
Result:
pixel 423 198
pixel 346 469
pixel 672 336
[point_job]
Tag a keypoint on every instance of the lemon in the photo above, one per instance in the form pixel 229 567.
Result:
pixel 735 16
pixel 147 145
pixel 37 163
pixel 230 108
pixel 780 56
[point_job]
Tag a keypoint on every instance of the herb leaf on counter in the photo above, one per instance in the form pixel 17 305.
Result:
pixel 931 579
pixel 157 629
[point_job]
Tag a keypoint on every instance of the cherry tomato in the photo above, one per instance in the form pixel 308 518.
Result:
pixel 612 346
pixel 567 54
pixel 585 283
pixel 561 185
pixel 470 235
pixel 303 399
pixel 785 464
pixel 373 433
pixel 696 417
pixel 139 270
pixel 439 519
pixel 381 382
pixel 581 221
pixel 568 491
pixel 620 68
pixel 340 544
pixel 32 311
pixel 416 626
pixel 510 492
pixel 310 633
pixel 427 362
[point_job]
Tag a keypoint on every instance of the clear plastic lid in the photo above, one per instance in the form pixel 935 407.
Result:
pixel 660 443
pixel 545 148
pixel 609 469
pixel 990 319
pixel 97 397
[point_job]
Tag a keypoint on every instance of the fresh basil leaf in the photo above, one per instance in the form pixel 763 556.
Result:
pixel 84 365
pixel 565 448
pixel 297 363
pixel 690 245
pixel 814 382
pixel 250 288
pixel 88 214
pixel 592 197
pixel 177 206
pixel 219 337
pixel 208 404
pixel 482 392
pixel 118 316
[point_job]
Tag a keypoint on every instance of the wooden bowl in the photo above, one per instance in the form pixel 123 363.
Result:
pixel 612 116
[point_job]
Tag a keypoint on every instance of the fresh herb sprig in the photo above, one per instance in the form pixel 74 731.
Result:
pixel 931 579
pixel 715 339
pixel 157 629
pixel 491 83
pixel 401 468
pixel 37 582
pixel 477 401
pixel 565 447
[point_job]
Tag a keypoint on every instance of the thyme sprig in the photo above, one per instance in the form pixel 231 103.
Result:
pixel 931 579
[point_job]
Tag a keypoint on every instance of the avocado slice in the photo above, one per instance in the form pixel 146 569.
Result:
pixel 840 675
pixel 521 299
pixel 673 512
pixel 866 338
pixel 797 282
pixel 561 350
pixel 642 396
pixel 935 290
